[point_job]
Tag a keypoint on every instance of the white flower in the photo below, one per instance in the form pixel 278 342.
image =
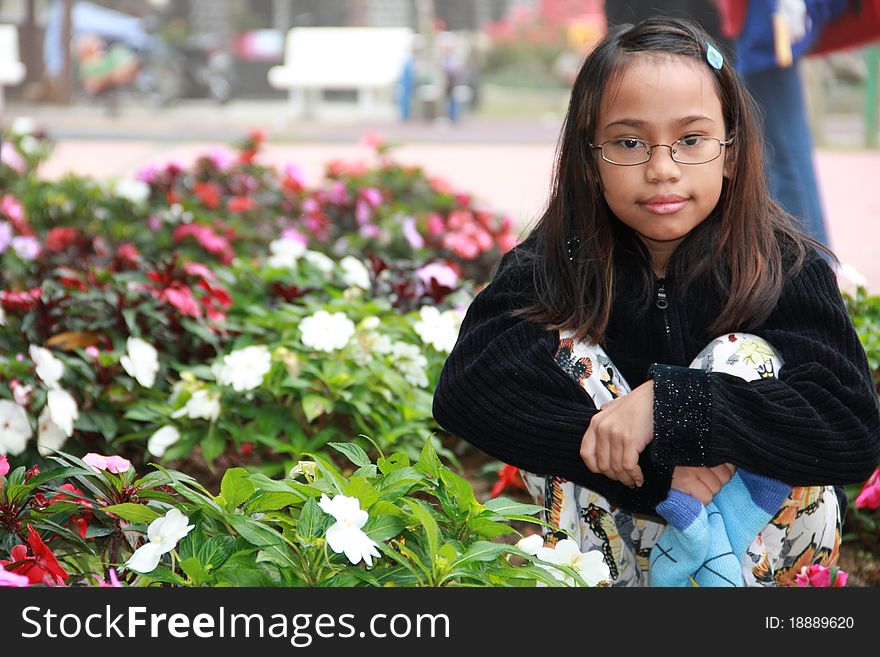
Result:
pixel 50 436
pixel 163 534
pixel 308 469
pixel 355 273
pixel 28 145
pixel 202 404
pixel 346 535
pixel 15 428
pixel 440 330
pixel 320 261
pixel 244 369
pixel 49 368
pixel 285 253
pixel 326 332
pixel 22 394
pixel 141 361
pixel 589 565
pixel 531 544
pixel 369 323
pixel 2 317
pixel 23 125
pixel 411 363
pixel 162 440
pixel 136 191
pixel 63 410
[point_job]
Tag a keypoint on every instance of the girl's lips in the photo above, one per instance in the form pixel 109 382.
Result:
pixel 670 206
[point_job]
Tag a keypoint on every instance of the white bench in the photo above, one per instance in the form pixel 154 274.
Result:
pixel 12 71
pixel 365 60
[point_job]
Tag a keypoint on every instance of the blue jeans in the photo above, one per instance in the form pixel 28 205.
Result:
pixel 789 145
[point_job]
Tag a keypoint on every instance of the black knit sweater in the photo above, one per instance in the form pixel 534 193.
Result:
pixel 816 424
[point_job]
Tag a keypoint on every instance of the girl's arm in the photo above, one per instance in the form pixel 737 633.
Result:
pixel 501 391
pixel 817 423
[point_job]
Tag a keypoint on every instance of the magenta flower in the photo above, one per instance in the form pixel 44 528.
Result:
pixel 4 465
pixel 372 196
pixel 113 582
pixel 362 212
pixel 114 464
pixel 13 209
pixel 442 273
pixel 869 497
pixel 296 173
pixel 295 235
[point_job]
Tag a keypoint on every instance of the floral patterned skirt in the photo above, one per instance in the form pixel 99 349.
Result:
pixel 805 531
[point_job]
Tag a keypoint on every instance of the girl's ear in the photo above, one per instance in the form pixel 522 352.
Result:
pixel 729 157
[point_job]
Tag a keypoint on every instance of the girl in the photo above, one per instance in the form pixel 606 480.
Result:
pixel 659 249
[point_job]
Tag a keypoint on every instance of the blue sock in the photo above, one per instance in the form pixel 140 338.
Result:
pixel 721 567
pixel 747 503
pixel 683 544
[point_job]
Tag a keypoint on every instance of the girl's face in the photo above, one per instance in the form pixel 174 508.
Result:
pixel 661 99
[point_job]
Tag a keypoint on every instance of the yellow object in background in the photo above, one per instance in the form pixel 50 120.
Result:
pixel 782 41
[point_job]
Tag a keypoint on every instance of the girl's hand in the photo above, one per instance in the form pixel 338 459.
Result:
pixel 701 482
pixel 618 433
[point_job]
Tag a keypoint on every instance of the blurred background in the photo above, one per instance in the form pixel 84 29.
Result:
pixel 475 91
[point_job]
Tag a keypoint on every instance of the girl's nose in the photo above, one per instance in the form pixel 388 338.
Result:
pixel 661 166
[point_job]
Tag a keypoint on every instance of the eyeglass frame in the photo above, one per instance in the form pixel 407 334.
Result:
pixel 651 147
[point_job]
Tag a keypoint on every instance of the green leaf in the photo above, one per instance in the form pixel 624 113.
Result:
pixel 429 463
pixel 483 551
pixel 432 532
pixel 363 490
pixel 253 532
pixel 486 528
pixel 215 550
pixel 386 521
pixel 311 519
pixel 352 452
pixel 235 488
pixel 394 462
pixel 315 406
pixel 133 512
pixel 213 444
pixel 507 507
pixel 273 501
pixel 194 570
pixel 460 488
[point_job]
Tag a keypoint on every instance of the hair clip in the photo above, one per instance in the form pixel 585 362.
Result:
pixel 713 56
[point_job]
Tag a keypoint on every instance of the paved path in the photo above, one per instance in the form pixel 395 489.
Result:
pixel 507 165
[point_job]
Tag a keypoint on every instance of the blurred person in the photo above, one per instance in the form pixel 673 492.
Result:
pixel 771 37
pixel 101 68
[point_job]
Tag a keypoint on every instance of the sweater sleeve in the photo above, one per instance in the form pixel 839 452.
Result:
pixel 501 391
pixel 816 424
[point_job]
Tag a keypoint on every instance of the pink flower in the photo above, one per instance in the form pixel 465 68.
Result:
pixel 295 173
pixel 4 465
pixel 198 269
pixel 114 582
pixel 221 158
pixel 337 193
pixel 92 351
pixel 362 213
pixel 14 211
pixel 26 247
pixel 147 174
pixel 114 464
pixel 436 226
pixel 5 235
pixel 12 158
pixel 818 576
pixel 442 273
pixel 294 234
pixel 372 196
pixel 373 140
pixel 412 235
pixel 11 579
pixel 869 497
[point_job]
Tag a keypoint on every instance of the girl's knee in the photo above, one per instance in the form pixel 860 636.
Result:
pixel 745 355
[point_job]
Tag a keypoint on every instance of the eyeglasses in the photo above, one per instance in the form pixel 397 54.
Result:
pixel 628 152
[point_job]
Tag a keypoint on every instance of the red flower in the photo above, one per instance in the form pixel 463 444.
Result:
pixel 507 476
pixel 80 519
pixel 821 577
pixel 241 204
pixel 40 568
pixel 209 194
pixel 181 297
pixel 209 240
pixel 21 299
pixel 257 136
pixel 128 254
pixel 60 238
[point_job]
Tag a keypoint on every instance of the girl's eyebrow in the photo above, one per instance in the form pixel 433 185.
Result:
pixel 642 125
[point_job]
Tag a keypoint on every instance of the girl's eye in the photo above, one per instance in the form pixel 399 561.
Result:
pixel 692 141
pixel 629 144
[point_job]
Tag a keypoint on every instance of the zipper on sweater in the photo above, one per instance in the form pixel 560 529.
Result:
pixel 662 304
